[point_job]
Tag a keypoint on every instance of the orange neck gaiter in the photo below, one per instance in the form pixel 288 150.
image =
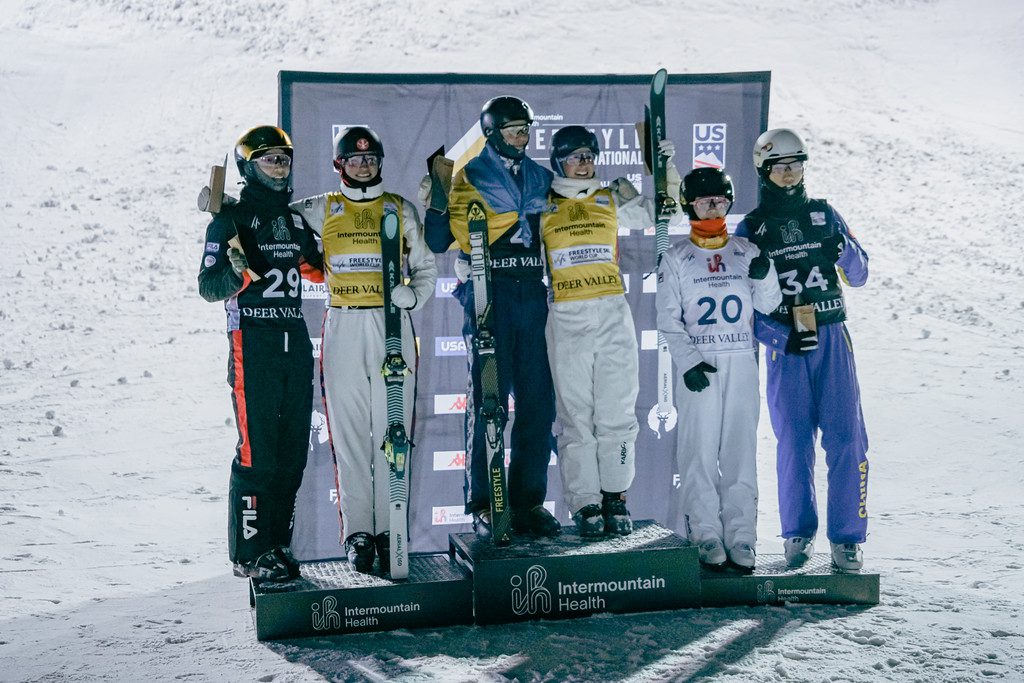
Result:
pixel 709 234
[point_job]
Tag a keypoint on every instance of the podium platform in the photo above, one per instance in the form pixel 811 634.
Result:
pixel 566 577
pixel 333 598
pixel 773 583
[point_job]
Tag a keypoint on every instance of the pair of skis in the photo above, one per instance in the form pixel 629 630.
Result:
pixel 665 206
pixel 397 445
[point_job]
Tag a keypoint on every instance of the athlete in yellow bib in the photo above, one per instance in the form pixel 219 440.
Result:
pixel 348 223
pixel 590 334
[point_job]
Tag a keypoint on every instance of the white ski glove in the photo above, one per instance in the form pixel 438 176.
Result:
pixel 238 261
pixel 403 297
pixel 624 189
pixel 672 180
pixel 462 270
pixel 423 193
pixel 667 149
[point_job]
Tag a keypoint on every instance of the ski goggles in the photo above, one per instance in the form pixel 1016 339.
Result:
pixel 271 160
pixel 357 160
pixel 517 129
pixel 708 203
pixel 795 166
pixel 580 158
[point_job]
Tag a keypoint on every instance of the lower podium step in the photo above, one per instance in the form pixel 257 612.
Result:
pixel 774 583
pixel 332 597
pixel 566 577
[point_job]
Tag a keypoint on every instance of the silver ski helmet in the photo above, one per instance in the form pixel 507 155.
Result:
pixel 567 140
pixel 775 144
pixel 255 142
pixel 498 111
pixel 704 182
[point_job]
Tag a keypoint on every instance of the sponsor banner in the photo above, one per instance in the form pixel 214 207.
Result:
pixel 715 117
pixel 450 346
pixel 442 515
pixel 456 460
pixel 445 287
pixel 454 404
pixel 313 290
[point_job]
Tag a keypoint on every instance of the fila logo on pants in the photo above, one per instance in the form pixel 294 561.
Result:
pixel 249 517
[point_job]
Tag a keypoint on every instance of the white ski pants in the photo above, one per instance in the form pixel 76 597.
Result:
pixel 351 355
pixel 716 451
pixel 592 351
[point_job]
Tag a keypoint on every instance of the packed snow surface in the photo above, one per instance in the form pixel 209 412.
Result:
pixel 115 423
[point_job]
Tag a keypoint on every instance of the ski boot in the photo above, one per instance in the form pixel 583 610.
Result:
pixel 847 557
pixel 743 556
pixel 482 524
pixel 616 516
pixel 712 553
pixel 589 521
pixel 383 543
pixel 359 549
pixel 266 567
pixel 284 553
pixel 537 521
pixel 798 550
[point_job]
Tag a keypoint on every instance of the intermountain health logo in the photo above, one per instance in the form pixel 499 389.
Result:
pixel 529 596
pixel 577 213
pixel 325 614
pixel 766 592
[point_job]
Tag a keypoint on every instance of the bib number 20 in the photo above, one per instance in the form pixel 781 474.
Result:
pixel 730 309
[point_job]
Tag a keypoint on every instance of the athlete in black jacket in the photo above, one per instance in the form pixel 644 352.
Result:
pixel 270 364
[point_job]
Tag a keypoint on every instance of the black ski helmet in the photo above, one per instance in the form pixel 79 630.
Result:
pixel 566 141
pixel 498 111
pixel 704 182
pixel 258 140
pixel 357 140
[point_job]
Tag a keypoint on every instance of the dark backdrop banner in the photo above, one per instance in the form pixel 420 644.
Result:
pixel 713 119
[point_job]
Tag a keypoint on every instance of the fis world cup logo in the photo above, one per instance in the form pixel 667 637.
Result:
pixel 715 264
pixel 709 145
pixel 325 614
pixel 533 597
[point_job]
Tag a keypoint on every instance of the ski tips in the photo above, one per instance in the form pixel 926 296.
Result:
pixel 660 79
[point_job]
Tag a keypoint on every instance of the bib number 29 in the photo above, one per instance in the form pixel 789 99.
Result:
pixel 278 278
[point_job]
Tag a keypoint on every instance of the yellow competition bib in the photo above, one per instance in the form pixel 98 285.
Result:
pixel 581 239
pixel 351 239
pixel 498 224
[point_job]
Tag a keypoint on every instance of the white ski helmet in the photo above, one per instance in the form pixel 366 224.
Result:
pixel 778 143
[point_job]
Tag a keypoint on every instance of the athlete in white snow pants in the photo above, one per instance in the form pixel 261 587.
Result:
pixel 708 289
pixel 352 351
pixel 590 333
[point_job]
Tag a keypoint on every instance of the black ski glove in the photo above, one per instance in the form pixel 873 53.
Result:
pixel 695 378
pixel 759 266
pixel 832 248
pixel 801 342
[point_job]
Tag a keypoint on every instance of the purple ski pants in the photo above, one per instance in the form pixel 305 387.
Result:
pixel 807 393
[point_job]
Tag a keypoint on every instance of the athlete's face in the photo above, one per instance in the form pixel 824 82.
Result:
pixel 516 134
pixel 362 167
pixel 579 164
pixel 711 207
pixel 786 172
pixel 275 162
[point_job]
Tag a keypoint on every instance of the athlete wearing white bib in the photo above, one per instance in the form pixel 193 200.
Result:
pixel 708 289
pixel 352 350
pixel 590 334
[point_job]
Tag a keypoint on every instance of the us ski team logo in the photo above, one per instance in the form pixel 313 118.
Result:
pixel 709 145
pixel 533 597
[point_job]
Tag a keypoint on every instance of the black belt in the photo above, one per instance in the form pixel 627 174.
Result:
pixel 356 308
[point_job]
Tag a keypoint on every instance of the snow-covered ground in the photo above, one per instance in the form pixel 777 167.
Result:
pixel 115 424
